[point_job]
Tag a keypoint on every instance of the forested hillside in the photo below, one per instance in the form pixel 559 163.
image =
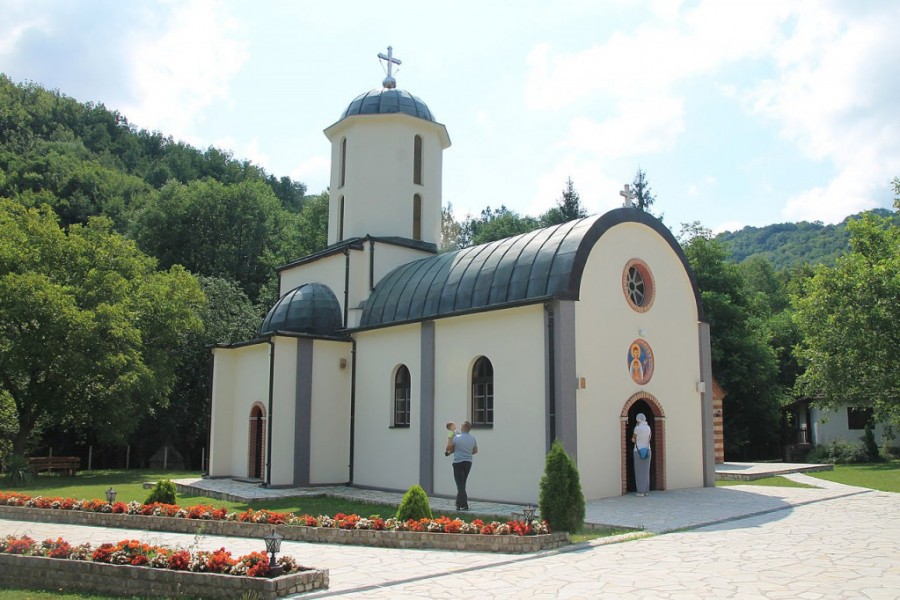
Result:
pixel 122 308
pixel 789 244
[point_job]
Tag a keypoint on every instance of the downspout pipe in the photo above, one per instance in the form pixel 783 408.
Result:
pixel 271 421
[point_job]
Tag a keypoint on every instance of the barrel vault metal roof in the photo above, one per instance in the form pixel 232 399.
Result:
pixel 545 263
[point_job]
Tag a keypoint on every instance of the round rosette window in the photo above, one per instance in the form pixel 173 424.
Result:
pixel 637 283
pixel 640 361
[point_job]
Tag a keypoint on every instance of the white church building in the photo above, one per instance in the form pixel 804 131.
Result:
pixel 378 340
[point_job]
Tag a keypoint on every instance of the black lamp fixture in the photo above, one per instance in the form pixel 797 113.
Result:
pixel 111 495
pixel 528 511
pixel 273 547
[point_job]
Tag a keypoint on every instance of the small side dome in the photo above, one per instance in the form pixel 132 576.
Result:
pixel 309 308
pixel 386 101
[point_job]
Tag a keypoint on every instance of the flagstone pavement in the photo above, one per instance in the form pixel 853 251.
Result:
pixel 740 542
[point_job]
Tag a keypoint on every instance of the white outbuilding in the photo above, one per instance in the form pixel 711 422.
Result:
pixel 377 341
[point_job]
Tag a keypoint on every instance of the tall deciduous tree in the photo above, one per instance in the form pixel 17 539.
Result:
pixel 495 224
pixel 850 319
pixel 238 231
pixel 87 324
pixel 743 363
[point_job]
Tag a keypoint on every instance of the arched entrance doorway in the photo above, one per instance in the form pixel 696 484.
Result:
pixel 257 435
pixel 643 402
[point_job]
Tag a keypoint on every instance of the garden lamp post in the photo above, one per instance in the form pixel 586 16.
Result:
pixel 111 495
pixel 528 511
pixel 273 547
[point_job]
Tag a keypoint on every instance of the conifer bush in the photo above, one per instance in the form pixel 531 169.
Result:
pixel 414 505
pixel 561 501
pixel 163 492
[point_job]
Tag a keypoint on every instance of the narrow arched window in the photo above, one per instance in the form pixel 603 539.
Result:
pixel 341 221
pixel 417 217
pixel 483 392
pixel 343 161
pixel 401 397
pixel 417 160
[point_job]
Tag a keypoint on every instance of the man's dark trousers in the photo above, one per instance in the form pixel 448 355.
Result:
pixel 460 474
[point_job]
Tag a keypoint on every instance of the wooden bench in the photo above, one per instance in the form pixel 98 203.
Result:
pixel 68 464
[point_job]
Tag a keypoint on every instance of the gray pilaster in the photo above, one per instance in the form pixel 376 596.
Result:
pixel 566 411
pixel 706 408
pixel 303 412
pixel 426 409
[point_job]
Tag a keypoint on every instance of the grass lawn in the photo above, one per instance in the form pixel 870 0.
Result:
pixel 129 486
pixel 877 476
pixel 23 594
pixel 767 481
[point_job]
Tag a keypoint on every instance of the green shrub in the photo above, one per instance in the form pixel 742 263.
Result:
pixel 16 469
pixel 163 492
pixel 869 443
pixel 561 501
pixel 414 505
pixel 838 452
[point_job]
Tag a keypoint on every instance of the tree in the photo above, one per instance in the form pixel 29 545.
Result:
pixel 451 231
pixel 561 501
pixel 495 224
pixel 568 207
pixel 86 325
pixel 643 196
pixel 228 317
pixel 238 231
pixel 742 362
pixel 849 317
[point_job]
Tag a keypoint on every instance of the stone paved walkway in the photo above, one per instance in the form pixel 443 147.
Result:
pixel 831 543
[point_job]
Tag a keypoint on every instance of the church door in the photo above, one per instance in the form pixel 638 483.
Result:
pixel 639 407
pixel 257 435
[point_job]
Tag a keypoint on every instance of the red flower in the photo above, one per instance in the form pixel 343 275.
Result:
pixel 180 560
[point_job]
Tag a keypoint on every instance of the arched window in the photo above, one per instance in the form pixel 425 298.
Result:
pixel 417 160
pixel 417 217
pixel 483 392
pixel 401 397
pixel 341 221
pixel 343 161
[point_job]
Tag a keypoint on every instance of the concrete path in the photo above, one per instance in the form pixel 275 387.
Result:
pixel 834 542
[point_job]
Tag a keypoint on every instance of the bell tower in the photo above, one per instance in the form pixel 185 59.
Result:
pixel 386 166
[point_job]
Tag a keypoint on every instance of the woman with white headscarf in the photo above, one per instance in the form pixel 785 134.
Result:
pixel 641 440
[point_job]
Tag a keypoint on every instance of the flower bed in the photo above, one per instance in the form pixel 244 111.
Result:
pixel 147 568
pixel 446 533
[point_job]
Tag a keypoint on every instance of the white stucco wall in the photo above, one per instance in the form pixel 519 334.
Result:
pixel 386 456
pixel 606 327
pixel 284 398
pixel 511 454
pixel 330 413
pixel 240 378
pixel 831 425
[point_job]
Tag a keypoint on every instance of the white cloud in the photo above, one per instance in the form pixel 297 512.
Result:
pixel 835 100
pixel 12 32
pixel 641 127
pixel 315 172
pixel 182 69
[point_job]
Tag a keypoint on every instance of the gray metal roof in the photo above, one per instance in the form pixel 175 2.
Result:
pixel 545 263
pixel 386 101
pixel 309 308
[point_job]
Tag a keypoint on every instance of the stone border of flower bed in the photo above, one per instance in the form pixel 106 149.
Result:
pixel 511 544
pixel 101 578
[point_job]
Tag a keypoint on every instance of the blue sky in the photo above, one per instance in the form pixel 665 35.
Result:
pixel 741 113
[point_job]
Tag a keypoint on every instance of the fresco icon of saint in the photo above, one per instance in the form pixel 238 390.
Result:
pixel 640 361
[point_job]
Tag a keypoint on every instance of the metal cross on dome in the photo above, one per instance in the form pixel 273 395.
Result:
pixel 628 195
pixel 389 81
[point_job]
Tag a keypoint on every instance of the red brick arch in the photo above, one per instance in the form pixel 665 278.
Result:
pixel 657 440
